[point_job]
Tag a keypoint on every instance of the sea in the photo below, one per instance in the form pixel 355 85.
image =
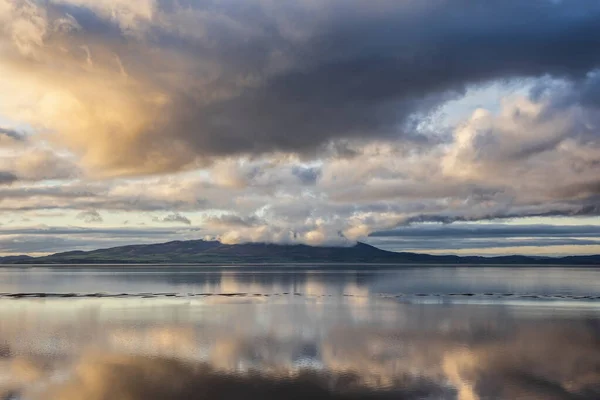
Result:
pixel 149 332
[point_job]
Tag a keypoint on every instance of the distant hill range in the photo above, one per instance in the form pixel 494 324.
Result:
pixel 213 252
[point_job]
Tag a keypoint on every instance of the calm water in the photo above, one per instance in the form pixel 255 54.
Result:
pixel 346 332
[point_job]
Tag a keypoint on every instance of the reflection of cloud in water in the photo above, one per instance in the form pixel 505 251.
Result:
pixel 167 341
pixel 100 377
pixel 474 353
pixel 314 286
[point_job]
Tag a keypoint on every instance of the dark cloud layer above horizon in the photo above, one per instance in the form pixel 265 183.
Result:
pixel 461 236
pixel 364 71
pixel 491 231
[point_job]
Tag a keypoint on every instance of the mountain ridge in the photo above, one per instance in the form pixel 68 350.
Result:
pixel 214 252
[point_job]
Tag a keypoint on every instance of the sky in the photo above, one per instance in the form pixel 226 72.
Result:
pixel 438 126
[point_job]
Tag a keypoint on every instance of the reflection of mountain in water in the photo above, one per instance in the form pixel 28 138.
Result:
pixel 253 282
pixel 448 282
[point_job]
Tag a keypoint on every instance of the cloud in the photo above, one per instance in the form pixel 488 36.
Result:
pixel 102 232
pixel 129 17
pixel 44 240
pixel 503 238
pixel 7 178
pixel 30 158
pixel 174 218
pixel 25 24
pixel 188 84
pixel 300 122
pixel 10 137
pixel 490 231
pixel 461 246
pixel 307 175
pixel 391 71
pixel 231 221
pixel 90 216
pixel 39 165
pixel 123 196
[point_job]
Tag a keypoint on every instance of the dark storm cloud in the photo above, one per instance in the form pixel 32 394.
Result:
pixel 366 69
pixel 258 77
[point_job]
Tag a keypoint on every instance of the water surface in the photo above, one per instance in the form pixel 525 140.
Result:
pixel 346 332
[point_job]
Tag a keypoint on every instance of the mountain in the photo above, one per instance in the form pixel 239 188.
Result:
pixel 213 252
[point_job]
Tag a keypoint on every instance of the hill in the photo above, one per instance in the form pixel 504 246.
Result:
pixel 213 252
